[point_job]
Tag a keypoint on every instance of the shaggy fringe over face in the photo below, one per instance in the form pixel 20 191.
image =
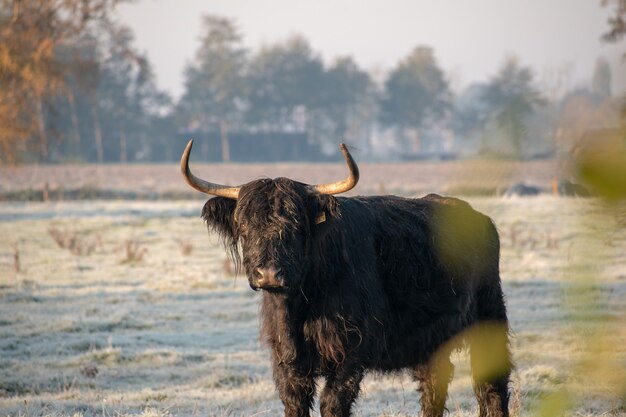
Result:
pixel 269 207
pixel 218 216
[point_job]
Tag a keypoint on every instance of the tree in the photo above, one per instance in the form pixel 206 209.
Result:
pixel 110 98
pixel 214 82
pixel 347 100
pixel 512 97
pixel 471 113
pixel 416 92
pixel 601 80
pixel 127 98
pixel 31 33
pixel 581 111
pixel 285 85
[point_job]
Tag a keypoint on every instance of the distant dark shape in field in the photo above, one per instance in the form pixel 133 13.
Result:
pixel 366 283
pixel 522 190
pixel 571 189
pixel 562 187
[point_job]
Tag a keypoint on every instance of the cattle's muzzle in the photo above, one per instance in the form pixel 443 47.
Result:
pixel 267 279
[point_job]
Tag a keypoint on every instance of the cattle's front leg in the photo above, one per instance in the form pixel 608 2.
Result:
pixel 295 389
pixel 339 394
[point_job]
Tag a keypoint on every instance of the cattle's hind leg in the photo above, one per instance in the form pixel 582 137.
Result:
pixel 490 357
pixel 433 381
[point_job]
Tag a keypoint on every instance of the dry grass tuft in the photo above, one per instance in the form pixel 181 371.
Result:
pixel 76 243
pixel 186 247
pixel 16 258
pixel 519 237
pixel 90 371
pixel 134 251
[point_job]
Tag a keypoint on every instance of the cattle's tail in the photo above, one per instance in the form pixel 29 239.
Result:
pixel 489 351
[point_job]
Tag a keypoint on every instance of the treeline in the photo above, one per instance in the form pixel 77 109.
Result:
pixel 74 88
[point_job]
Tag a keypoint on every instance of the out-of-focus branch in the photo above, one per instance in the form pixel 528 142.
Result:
pixel 617 22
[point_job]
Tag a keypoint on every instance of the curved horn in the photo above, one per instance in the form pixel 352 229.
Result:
pixel 344 185
pixel 202 185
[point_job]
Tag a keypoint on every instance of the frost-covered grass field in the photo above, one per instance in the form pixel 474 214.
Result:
pixel 139 313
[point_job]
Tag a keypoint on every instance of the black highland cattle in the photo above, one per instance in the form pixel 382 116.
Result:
pixel 359 284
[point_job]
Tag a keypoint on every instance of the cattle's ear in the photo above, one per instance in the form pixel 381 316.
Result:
pixel 324 210
pixel 218 213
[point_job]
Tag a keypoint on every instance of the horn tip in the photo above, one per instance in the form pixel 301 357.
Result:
pixel 187 150
pixel 345 150
pixel 184 160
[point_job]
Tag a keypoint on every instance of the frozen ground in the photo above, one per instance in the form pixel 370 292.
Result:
pixel 125 321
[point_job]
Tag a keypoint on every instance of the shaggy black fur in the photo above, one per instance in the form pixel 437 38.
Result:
pixel 382 284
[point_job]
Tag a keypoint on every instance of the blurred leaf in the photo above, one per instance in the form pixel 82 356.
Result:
pixel 554 404
pixel 489 351
pixel 604 172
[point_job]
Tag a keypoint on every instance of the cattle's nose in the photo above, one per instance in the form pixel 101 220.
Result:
pixel 269 277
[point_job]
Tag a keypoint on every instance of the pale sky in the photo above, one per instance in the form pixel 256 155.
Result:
pixel 558 39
